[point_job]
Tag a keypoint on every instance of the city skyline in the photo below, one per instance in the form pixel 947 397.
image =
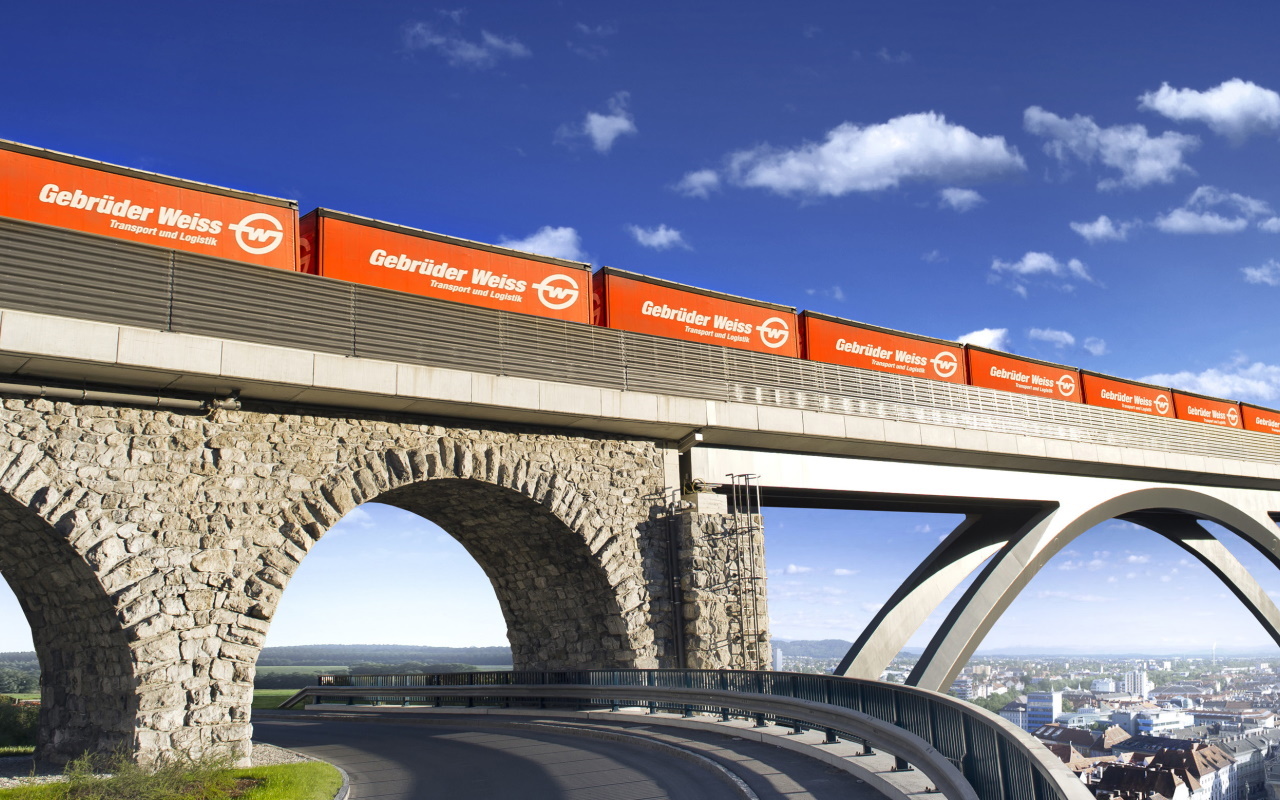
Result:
pixel 1090 186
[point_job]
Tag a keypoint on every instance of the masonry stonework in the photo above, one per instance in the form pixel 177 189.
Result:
pixel 722 574
pixel 149 550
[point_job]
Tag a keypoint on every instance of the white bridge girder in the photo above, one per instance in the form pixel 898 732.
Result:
pixel 1015 522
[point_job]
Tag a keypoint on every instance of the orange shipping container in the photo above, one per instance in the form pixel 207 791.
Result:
pixel 632 302
pixel 1256 418
pixel 92 197
pixel 1209 410
pixel 854 344
pixel 360 250
pixel 1107 392
pixel 1008 373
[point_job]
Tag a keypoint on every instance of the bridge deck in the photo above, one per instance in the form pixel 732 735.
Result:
pixel 80 308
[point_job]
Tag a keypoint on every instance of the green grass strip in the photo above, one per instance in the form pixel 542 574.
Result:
pixel 310 780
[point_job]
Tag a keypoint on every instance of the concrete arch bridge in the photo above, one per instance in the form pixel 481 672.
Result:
pixel 175 438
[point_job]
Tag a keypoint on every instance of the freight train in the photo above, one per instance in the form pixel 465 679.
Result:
pixel 70 192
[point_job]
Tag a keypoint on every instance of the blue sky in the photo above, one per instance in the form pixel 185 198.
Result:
pixel 1092 184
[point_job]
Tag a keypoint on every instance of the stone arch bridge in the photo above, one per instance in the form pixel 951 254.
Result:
pixel 149 549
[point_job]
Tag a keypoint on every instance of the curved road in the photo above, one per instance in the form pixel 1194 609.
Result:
pixel 499 758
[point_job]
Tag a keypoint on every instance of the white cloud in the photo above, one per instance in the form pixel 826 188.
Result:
pixel 1235 108
pixel 835 293
pixel 1079 598
pixel 1138 558
pixel 1181 220
pixel 549 241
pixel 1056 338
pixel 1271 225
pixel 699 183
pixel 603 129
pixel 1239 379
pixel 659 238
pixel 1196 215
pixel 1210 196
pixel 960 199
pixel 923 528
pixel 844 572
pixel 854 158
pixel 934 257
pixel 1103 229
pixel 889 58
pixel 460 52
pixel 1035 265
pixel 1141 159
pixel 990 338
pixel 1095 346
pixel 1268 273
pixel 792 569
pixel 603 29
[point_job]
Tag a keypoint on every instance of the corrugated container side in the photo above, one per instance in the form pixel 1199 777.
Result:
pixel 1257 418
pixel 373 253
pixel 140 207
pixel 1105 391
pixel 1209 410
pixel 643 304
pixel 308 253
pixel 992 369
pixel 839 341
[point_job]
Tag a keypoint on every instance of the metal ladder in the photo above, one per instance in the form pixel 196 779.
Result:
pixel 744 586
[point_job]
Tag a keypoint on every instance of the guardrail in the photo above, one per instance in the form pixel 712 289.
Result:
pixel 966 751
pixel 48 270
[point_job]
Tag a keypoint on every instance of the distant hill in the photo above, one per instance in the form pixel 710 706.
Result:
pixel 813 648
pixel 348 654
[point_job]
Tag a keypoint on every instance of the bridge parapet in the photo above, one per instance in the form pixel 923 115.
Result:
pixel 969 753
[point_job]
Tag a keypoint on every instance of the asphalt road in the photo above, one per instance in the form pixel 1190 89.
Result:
pixel 496 759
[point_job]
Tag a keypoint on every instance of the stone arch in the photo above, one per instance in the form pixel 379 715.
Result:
pixel 87 674
pixel 569 581
pixel 1022 558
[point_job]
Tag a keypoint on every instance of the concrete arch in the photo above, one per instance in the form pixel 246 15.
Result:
pixel 561 574
pixel 978 537
pixel 1021 559
pixel 87 673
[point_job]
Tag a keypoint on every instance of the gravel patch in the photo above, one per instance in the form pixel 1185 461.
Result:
pixel 268 754
pixel 23 771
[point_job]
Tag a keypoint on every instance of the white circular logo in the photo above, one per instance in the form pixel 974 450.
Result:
pixel 1162 404
pixel 246 233
pixel 1067 385
pixel 944 364
pixel 1233 417
pixel 557 291
pixel 774 332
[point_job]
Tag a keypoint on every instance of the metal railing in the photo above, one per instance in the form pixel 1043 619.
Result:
pixel 941 735
pixel 52 271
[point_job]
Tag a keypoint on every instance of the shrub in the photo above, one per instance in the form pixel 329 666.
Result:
pixel 18 723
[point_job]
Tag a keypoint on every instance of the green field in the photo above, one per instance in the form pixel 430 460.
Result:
pixel 24 695
pixel 271 698
pixel 341 670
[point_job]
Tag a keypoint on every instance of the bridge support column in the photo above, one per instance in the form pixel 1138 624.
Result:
pixel 722 582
